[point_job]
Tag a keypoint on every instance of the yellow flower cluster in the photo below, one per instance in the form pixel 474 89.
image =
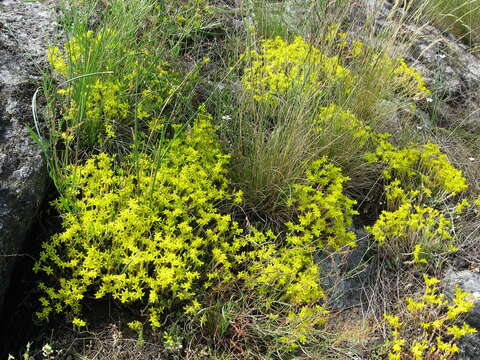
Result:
pixel 422 167
pixel 141 231
pixel 325 212
pixel 404 78
pixel 324 216
pixel 56 60
pixel 104 111
pixel 285 272
pixel 435 317
pixel 415 175
pixel 412 229
pixel 280 67
pixel 77 50
pixel 151 230
pixel 410 79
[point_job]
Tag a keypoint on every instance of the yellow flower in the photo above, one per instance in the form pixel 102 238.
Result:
pixel 413 305
pixel 79 323
pixel 281 66
pixel 430 281
pixel 397 345
pixel 458 332
pixel 109 131
pixel 417 257
pixel 418 349
pixel 56 60
pixel 393 321
pixel 357 48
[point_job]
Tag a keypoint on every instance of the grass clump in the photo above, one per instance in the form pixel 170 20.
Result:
pixel 302 100
pixel 129 91
pixel 117 86
pixel 337 127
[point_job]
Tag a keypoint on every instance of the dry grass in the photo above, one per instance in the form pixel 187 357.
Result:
pixel 107 344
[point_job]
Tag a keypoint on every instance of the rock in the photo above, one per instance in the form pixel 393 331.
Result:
pixel 343 273
pixel 469 347
pixel 24 30
pixel 451 71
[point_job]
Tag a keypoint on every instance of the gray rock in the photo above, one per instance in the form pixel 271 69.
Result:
pixel 342 274
pixel 451 71
pixel 469 347
pixel 24 30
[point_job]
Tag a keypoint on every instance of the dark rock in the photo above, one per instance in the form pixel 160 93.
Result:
pixel 343 273
pixel 25 28
pixel 469 347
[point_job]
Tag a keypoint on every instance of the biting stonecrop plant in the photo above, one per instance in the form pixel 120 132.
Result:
pixel 339 122
pixel 142 230
pixel 280 67
pixel 419 180
pixel 151 230
pixel 324 216
pixel 429 328
pixel 411 229
pixel 339 128
pixel 422 168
